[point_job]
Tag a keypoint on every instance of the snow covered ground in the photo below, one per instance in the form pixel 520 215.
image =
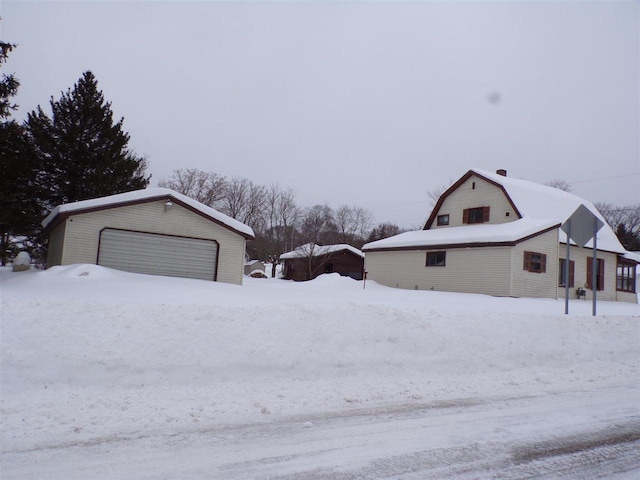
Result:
pixel 112 375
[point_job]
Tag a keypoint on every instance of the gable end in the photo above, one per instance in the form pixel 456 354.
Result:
pixel 61 217
pixel 457 185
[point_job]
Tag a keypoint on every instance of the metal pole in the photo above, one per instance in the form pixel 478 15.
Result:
pixel 566 270
pixel 594 266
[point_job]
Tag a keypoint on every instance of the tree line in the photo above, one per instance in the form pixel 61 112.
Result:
pixel 280 224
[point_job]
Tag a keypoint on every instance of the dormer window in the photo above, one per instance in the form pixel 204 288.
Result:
pixel 475 215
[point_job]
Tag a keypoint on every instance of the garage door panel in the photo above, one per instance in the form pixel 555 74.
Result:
pixel 157 254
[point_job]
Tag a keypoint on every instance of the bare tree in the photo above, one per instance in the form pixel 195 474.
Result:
pixel 625 221
pixel 317 225
pixel 205 187
pixel 281 216
pixel 352 224
pixel 384 230
pixel 560 184
pixel 612 214
pixel 244 201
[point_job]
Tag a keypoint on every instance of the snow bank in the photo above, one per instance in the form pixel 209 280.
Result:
pixel 89 352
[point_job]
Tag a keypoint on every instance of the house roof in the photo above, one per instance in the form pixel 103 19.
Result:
pixel 465 236
pixel 537 204
pixel 61 212
pixel 534 201
pixel 319 250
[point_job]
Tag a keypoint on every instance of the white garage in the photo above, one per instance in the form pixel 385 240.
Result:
pixel 153 231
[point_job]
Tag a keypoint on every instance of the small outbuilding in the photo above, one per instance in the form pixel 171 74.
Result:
pixel 254 265
pixel 308 261
pixel 155 231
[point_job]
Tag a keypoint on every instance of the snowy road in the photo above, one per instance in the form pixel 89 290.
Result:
pixel 585 434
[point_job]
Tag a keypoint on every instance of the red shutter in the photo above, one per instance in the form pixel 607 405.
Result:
pixel 543 262
pixel 465 215
pixel 572 278
pixel 527 260
pixel 600 274
pixel 485 214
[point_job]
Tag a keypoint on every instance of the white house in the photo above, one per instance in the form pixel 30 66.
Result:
pixel 501 236
pixel 154 231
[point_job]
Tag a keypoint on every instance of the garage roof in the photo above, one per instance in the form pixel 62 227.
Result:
pixel 143 196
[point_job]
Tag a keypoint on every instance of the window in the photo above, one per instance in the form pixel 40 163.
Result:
pixel 443 220
pixel 436 259
pixel 475 215
pixel 535 262
pixel 562 279
pixel 599 273
pixel 626 277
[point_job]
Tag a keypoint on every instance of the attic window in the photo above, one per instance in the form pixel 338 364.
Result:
pixel 473 185
pixel 475 215
pixel 506 214
pixel 443 220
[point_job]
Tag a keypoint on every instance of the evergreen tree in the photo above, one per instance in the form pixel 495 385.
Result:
pixel 19 211
pixel 82 153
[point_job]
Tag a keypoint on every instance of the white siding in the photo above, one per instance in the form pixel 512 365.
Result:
pixel 530 284
pixel 484 194
pixel 56 245
pixel 83 233
pixel 579 256
pixel 474 270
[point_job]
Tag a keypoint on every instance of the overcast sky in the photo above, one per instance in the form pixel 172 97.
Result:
pixel 371 104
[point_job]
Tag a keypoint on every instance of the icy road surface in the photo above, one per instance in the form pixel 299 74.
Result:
pixel 576 435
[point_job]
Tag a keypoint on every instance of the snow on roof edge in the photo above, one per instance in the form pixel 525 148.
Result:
pixel 301 251
pixel 148 194
pixel 468 234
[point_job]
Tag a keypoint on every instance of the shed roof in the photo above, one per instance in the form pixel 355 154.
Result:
pixel 319 250
pixel 143 196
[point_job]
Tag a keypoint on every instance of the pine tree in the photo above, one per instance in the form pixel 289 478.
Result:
pixel 82 152
pixel 19 211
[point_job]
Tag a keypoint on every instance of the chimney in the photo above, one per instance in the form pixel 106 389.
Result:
pixel 501 171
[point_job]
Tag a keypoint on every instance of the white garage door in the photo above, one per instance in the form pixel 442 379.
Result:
pixel 157 254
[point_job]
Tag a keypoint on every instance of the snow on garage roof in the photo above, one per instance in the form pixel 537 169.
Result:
pixel 141 196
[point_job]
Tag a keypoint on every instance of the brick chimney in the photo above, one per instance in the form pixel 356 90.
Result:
pixel 502 172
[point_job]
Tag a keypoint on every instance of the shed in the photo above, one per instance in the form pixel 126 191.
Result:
pixel 310 260
pixel 155 231
pixel 253 265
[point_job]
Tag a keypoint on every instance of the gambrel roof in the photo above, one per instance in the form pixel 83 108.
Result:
pixel 538 207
